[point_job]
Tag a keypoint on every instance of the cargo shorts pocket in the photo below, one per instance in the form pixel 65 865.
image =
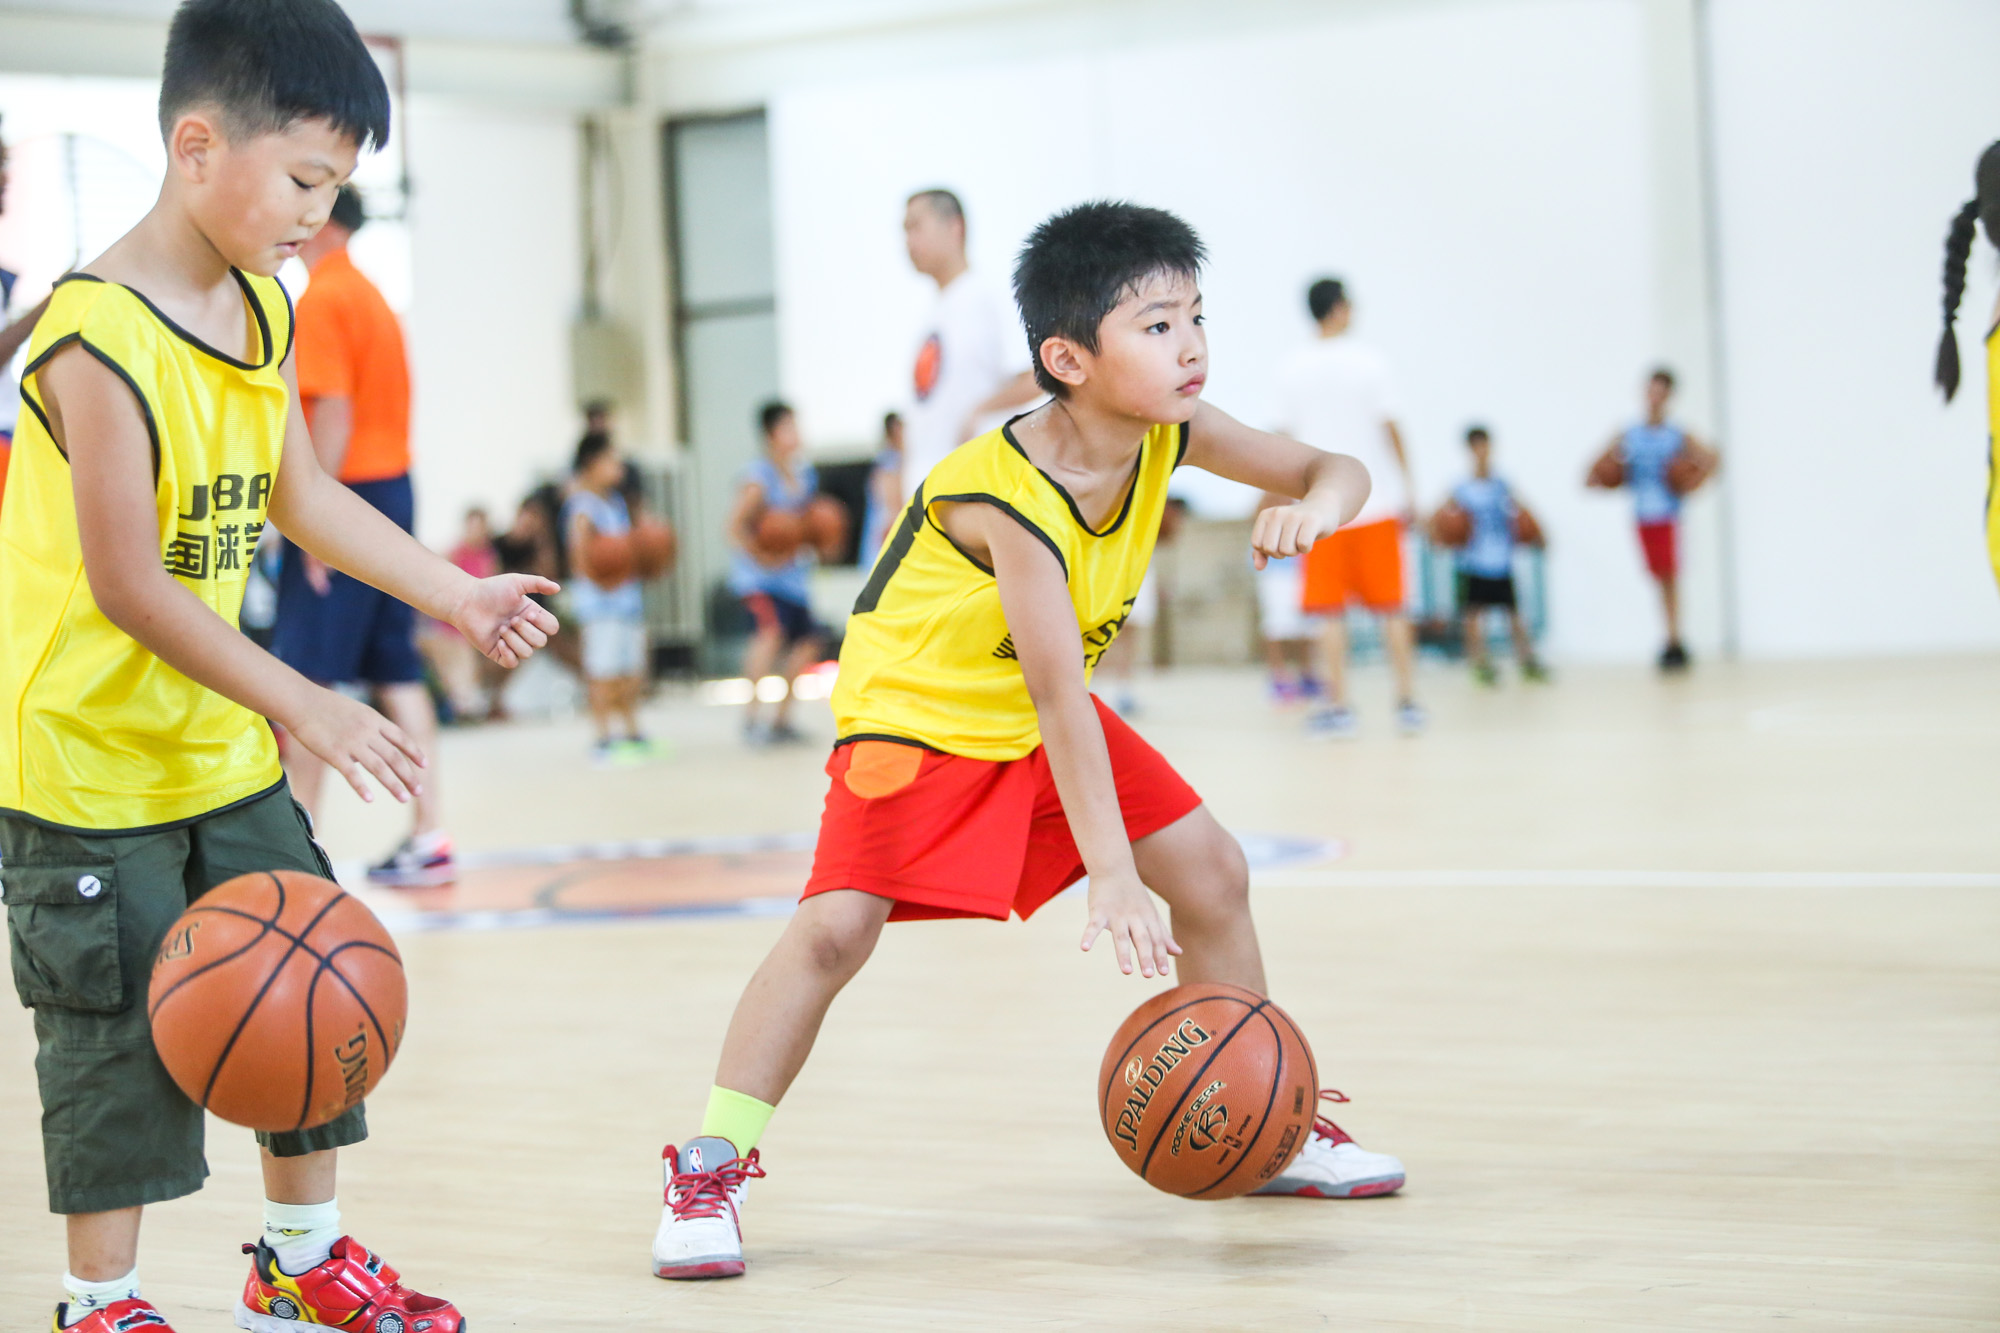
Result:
pixel 62 921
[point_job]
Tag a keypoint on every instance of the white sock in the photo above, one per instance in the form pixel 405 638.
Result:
pixel 85 1298
pixel 301 1234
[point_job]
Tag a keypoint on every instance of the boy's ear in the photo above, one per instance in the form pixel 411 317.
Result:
pixel 1064 360
pixel 192 143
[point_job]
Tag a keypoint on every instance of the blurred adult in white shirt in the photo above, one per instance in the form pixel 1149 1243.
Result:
pixel 1337 394
pixel 971 357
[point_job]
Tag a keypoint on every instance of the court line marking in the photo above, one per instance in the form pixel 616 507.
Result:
pixel 1322 878
pixel 1264 852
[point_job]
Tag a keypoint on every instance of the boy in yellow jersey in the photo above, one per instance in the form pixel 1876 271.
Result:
pixel 161 430
pixel 975 775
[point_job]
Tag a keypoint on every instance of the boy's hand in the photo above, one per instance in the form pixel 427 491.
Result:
pixel 1120 904
pixel 1283 531
pixel 497 617
pixel 354 740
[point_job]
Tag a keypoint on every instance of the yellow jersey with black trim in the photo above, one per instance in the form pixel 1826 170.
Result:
pixel 1993 448
pixel 97 733
pixel 928 658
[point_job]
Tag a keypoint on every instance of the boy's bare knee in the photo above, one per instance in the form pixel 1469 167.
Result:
pixel 838 940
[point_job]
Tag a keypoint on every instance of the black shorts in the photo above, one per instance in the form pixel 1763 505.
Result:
pixel 352 632
pixel 794 620
pixel 1476 591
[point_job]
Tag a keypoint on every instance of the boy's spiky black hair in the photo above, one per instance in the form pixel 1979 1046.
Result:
pixel 268 64
pixel 1078 265
pixel 589 449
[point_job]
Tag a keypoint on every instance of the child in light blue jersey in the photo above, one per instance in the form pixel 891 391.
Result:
pixel 774 585
pixel 1498 523
pixel 611 614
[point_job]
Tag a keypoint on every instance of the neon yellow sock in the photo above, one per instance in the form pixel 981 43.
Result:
pixel 735 1116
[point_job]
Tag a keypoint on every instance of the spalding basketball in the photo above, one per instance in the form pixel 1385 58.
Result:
pixel 1207 1091
pixel 1684 474
pixel 779 533
pixel 654 546
pixel 277 1000
pixel 1526 530
pixel 826 527
pixel 607 559
pixel 1607 473
pixel 1451 526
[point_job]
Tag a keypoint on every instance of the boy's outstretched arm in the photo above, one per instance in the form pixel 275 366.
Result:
pixel 1042 621
pixel 96 420
pixel 1329 488
pixel 327 520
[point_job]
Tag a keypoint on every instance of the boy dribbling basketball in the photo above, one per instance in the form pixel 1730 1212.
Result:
pixel 975 774
pixel 161 430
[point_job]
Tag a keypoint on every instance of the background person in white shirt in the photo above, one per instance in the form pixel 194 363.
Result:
pixel 1337 395
pixel 972 358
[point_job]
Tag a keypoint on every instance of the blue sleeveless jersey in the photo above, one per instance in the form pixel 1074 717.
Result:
pixel 1648 450
pixel 788 581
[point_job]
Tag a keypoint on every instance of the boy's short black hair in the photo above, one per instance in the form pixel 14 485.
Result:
pixel 267 64
pixel 1478 433
pixel 589 449
pixel 891 420
pixel 770 414
pixel 1323 296
pixel 1078 265
pixel 348 210
pixel 1663 376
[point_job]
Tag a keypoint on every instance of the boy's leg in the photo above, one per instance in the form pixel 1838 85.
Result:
pixel 1198 868
pixel 408 705
pixel 797 658
pixel 1333 640
pixel 1670 602
pixel 760 655
pixel 1401 638
pixel 775 1022
pixel 1475 637
pixel 1524 647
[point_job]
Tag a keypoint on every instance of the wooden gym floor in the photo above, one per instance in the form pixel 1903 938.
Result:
pixel 1680 999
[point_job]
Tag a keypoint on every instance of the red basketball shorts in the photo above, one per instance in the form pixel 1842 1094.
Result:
pixel 948 836
pixel 1659 542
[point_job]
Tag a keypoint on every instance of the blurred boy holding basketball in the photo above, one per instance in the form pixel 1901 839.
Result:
pixel 161 430
pixel 771 577
pixel 975 775
pixel 1494 522
pixel 1659 462
pixel 610 614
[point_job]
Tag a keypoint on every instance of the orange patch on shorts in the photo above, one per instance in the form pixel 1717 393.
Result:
pixel 880 768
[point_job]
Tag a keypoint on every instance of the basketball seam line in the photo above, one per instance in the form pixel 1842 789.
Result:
pixel 1220 1046
pixel 1269 1100
pixel 1104 1092
pixel 270 980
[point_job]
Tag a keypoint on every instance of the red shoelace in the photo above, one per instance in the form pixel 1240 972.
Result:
pixel 706 1193
pixel 1326 1129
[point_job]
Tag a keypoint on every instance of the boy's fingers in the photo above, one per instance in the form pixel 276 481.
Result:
pixel 543 618
pixel 1121 937
pixel 402 740
pixel 379 769
pixel 352 771
pixel 1091 930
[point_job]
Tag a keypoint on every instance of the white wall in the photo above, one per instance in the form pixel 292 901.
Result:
pixel 1847 131
pixel 496 282
pixel 1477 173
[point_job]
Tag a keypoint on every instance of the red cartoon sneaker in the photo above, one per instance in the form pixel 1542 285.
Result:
pixel 133 1316
pixel 353 1290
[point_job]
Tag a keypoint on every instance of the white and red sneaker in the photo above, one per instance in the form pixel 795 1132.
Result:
pixel 1333 1166
pixel 131 1315
pixel 701 1227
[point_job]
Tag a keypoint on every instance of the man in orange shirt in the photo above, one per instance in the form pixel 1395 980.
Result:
pixel 354 381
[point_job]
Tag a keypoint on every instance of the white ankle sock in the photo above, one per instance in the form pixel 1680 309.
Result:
pixel 302 1234
pixel 87 1297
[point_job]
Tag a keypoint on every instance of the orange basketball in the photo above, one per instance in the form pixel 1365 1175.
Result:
pixel 779 533
pixel 826 527
pixel 1607 473
pixel 654 545
pixel 1451 526
pixel 1684 474
pixel 1526 530
pixel 277 1000
pixel 607 559
pixel 1207 1091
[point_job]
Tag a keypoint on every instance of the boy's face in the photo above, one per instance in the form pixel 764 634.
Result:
pixel 1658 391
pixel 1482 452
pixel 783 439
pixel 605 471
pixel 1152 354
pixel 258 199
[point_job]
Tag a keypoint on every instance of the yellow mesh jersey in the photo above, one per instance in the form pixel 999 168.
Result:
pixel 96 733
pixel 1993 448
pixel 927 656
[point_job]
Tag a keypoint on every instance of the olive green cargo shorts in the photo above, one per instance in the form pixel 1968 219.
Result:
pixel 85 915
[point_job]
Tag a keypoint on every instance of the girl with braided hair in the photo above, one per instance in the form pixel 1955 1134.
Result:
pixel 1982 209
